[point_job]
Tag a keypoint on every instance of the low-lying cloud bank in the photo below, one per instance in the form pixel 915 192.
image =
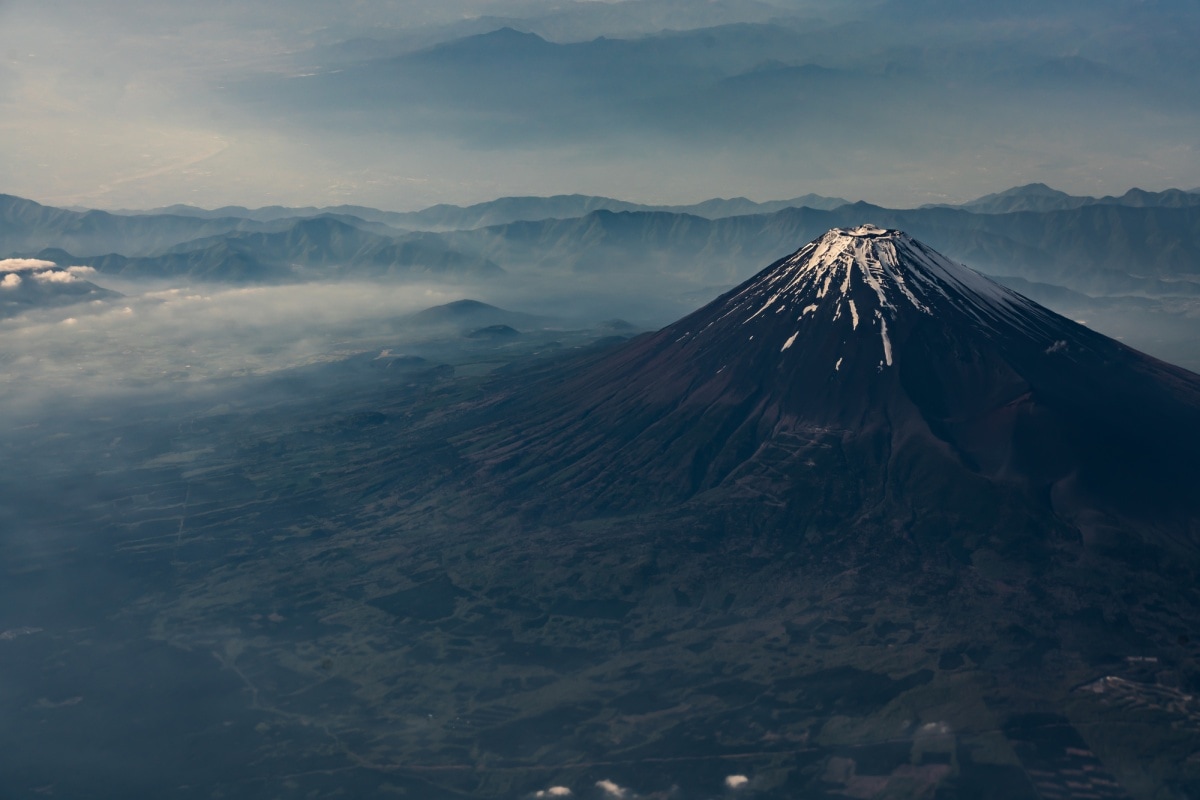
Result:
pixel 176 339
pixel 43 271
pixel 25 265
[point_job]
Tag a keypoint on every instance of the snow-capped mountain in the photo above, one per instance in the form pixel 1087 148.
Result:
pixel 869 348
pixel 867 276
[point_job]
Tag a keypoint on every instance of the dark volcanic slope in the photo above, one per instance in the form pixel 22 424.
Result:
pixel 918 374
pixel 855 569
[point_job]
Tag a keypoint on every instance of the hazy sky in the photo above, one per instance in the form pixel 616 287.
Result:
pixel 142 103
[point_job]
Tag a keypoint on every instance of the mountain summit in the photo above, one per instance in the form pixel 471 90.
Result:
pixel 862 276
pixel 872 357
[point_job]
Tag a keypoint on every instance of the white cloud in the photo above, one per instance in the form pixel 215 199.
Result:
pixel 25 264
pixel 54 276
pixel 736 782
pixel 554 791
pixel 612 790
pixel 11 281
pixel 81 270
pixel 70 321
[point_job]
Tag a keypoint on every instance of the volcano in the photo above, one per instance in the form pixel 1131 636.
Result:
pixel 865 495
pixel 866 526
pixel 868 360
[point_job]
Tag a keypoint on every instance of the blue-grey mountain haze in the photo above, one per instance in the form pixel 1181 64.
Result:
pixel 401 105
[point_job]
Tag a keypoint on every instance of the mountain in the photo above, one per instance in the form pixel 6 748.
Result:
pixel 868 525
pixel 755 85
pixel 1030 197
pixel 317 247
pixel 866 500
pixel 351 213
pixel 1137 243
pixel 503 210
pixel 26 226
pixel 1102 248
pixel 325 242
pixel 1039 197
pixel 516 71
pixel 871 340
pixel 465 316
pixel 516 209
pixel 1140 198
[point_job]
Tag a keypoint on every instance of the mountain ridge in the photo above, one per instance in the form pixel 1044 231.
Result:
pixel 1097 248
pixel 502 210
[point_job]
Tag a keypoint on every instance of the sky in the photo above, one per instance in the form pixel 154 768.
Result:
pixel 400 104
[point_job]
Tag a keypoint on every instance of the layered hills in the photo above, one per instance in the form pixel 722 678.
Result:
pixel 1040 197
pixel 1145 243
pixel 321 246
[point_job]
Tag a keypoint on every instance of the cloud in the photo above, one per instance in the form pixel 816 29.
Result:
pixel 554 791
pixel 54 276
pixel 43 271
pixel 611 789
pixel 736 782
pixel 139 346
pixel 25 264
pixel 1058 347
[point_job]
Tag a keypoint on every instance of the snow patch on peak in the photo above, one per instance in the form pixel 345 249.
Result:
pixel 878 275
pixel 887 343
pixel 867 230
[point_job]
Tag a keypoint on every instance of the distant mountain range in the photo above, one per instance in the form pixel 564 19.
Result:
pixel 26 226
pixel 444 217
pixel 1147 242
pixel 1097 248
pixel 328 246
pixel 501 211
pixel 1040 197
pixel 225 248
pixel 764 75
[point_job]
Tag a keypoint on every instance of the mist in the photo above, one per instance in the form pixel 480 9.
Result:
pixel 166 341
pixel 401 105
pixel 177 341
